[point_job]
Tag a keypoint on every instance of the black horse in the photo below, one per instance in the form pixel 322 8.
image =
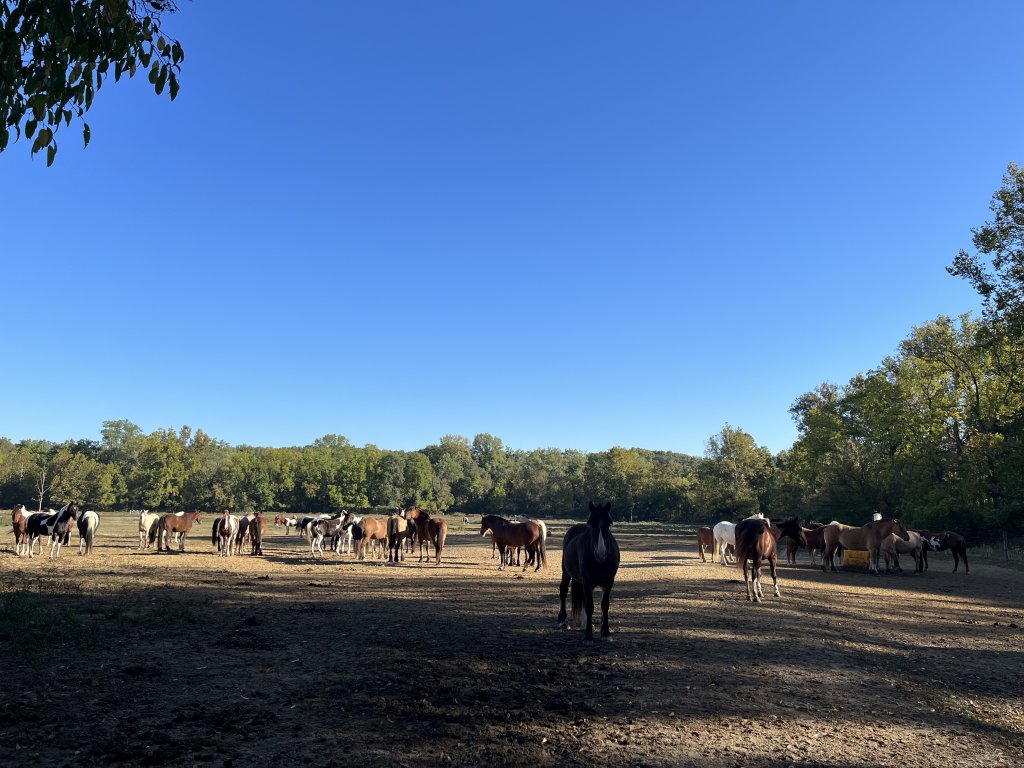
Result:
pixel 590 558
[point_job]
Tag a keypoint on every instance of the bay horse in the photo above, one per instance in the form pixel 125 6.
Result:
pixel 757 540
pixel 257 527
pixel 177 523
pixel 507 534
pixel 88 524
pixel 814 537
pixel 590 559
pixel 705 538
pixel 428 529
pixel 940 542
pixel 868 536
pixel 543 532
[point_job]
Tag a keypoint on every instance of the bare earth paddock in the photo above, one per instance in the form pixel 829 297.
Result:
pixel 188 659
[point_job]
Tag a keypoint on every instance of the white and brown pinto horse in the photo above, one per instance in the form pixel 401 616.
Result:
pixel 868 536
pixel 225 531
pixel 179 523
pixel 56 526
pixel 88 524
pixel 19 522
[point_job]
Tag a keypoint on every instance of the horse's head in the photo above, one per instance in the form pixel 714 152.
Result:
pixel 600 521
pixel 72 511
pixel 794 530
pixel 900 530
pixel 198 517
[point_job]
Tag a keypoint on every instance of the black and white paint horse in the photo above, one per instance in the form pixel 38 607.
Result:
pixel 55 526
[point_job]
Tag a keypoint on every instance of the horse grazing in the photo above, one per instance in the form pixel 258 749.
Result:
pixel 88 524
pixel 182 523
pixel 55 525
pixel 868 536
pixel 149 525
pixel 893 546
pixel 510 535
pixel 590 559
pixel 428 530
pixel 757 540
pixel 940 542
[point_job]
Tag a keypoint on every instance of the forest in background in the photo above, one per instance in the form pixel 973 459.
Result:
pixel 934 435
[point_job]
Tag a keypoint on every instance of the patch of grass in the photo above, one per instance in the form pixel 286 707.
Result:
pixel 30 618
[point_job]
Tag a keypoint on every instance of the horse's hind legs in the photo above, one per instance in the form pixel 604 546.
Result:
pixel 606 598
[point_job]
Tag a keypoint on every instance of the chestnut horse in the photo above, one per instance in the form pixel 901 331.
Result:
pixel 508 535
pixel 590 559
pixel 178 523
pixel 757 539
pixel 705 538
pixel 428 529
pixel 868 536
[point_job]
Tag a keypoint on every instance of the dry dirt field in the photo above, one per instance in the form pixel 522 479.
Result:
pixel 135 658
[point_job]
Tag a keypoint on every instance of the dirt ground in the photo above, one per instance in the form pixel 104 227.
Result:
pixel 135 658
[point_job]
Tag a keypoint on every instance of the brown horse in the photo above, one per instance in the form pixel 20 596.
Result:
pixel 257 529
pixel 868 536
pixel 757 540
pixel 508 535
pixel 428 529
pixel 705 538
pixel 399 529
pixel 373 529
pixel 171 524
pixel 19 521
pixel 814 537
pixel 939 542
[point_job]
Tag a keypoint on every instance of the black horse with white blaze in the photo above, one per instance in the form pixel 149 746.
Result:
pixel 590 559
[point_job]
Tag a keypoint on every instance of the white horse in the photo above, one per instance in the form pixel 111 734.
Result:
pixel 725 536
pixel 88 524
pixel 147 528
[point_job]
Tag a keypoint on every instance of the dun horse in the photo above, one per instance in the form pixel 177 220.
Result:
pixel 868 536
pixel 590 559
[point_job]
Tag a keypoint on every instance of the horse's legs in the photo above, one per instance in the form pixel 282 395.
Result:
pixel 873 555
pixel 588 630
pixel 563 590
pixel 746 580
pixel 773 567
pixel 967 568
pixel 606 597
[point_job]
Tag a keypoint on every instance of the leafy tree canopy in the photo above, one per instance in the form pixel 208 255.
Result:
pixel 55 55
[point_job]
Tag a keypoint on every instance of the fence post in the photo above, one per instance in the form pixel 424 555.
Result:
pixel 1006 546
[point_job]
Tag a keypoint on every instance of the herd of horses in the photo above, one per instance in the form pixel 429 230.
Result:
pixel 755 541
pixel 590 553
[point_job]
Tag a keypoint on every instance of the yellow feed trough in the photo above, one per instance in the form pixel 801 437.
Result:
pixel 855 557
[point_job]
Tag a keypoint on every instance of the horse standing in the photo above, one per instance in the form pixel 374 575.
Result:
pixel 757 540
pixel 893 546
pixel 179 523
pixel 257 527
pixel 19 522
pixel 428 529
pixel 225 531
pixel 508 535
pixel 939 542
pixel 868 536
pixel 88 524
pixel 590 559
pixel 56 525
pixel 148 528
pixel 725 537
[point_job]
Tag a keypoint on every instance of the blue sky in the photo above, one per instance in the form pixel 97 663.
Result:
pixel 570 224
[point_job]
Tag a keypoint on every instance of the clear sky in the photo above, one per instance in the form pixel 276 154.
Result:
pixel 568 224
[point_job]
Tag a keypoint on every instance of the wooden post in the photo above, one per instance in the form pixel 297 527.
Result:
pixel 1006 545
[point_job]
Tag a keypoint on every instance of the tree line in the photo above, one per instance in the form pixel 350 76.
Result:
pixel 934 435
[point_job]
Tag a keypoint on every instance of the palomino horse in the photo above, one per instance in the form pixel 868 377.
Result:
pixel 428 529
pixel 509 535
pixel 172 524
pixel 893 546
pixel 88 524
pixel 868 536
pixel 757 539
pixel 590 559
pixel 939 542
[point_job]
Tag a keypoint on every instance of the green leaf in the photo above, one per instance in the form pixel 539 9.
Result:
pixel 51 152
pixel 86 134
pixel 174 87
pixel 154 72
pixel 30 128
